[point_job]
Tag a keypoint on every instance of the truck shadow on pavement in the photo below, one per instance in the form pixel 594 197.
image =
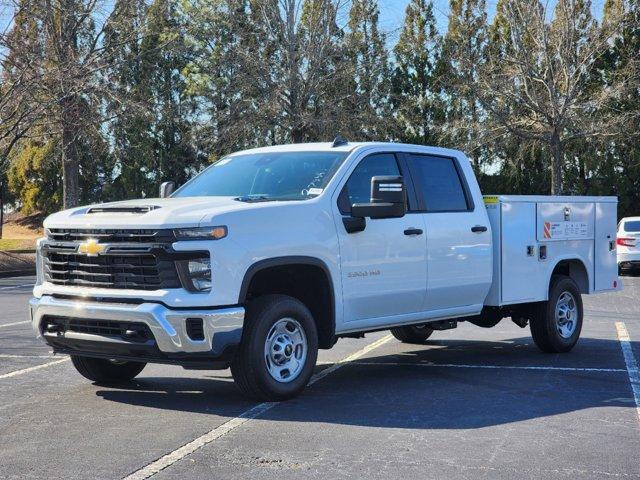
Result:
pixel 447 384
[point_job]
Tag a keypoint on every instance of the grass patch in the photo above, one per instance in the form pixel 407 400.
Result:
pixel 7 244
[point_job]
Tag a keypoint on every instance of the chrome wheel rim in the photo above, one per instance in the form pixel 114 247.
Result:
pixel 566 315
pixel 285 350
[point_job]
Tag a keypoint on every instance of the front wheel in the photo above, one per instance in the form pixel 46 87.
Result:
pixel 557 323
pixel 278 350
pixel 416 334
pixel 106 371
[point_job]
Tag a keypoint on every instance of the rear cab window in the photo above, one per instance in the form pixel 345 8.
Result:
pixel 439 184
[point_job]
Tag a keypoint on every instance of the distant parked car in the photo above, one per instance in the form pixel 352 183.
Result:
pixel 628 240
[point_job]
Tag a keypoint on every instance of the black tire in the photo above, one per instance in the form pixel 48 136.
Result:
pixel 544 325
pixel 249 367
pixel 106 371
pixel 415 334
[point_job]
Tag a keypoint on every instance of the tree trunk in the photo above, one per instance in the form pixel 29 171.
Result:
pixel 70 168
pixel 297 134
pixel 556 163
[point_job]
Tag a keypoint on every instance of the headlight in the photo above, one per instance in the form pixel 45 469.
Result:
pixel 200 233
pixel 195 274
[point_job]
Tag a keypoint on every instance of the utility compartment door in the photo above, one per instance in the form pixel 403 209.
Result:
pixel 520 266
pixel 606 266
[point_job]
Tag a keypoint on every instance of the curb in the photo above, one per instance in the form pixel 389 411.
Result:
pixel 18 273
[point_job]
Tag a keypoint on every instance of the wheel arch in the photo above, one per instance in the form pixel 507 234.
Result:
pixel 306 278
pixel 574 268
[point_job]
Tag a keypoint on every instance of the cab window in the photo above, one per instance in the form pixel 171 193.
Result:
pixel 437 180
pixel 358 187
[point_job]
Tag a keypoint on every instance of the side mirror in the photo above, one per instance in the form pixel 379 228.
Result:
pixel 166 189
pixel 388 199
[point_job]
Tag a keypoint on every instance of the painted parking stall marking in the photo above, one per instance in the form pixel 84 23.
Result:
pixel 12 287
pixel 254 412
pixel 33 369
pixel 14 324
pixel 630 361
pixel 492 367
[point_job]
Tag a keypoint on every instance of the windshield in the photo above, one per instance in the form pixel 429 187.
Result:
pixel 266 176
pixel 632 226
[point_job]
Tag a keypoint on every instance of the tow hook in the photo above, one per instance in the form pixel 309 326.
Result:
pixel 130 333
pixel 53 328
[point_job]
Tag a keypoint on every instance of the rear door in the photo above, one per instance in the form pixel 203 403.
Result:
pixel 383 266
pixel 458 239
pixel 606 266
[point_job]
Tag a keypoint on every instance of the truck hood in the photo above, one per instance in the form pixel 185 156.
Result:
pixel 146 213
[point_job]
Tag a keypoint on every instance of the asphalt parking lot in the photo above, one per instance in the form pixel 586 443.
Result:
pixel 473 403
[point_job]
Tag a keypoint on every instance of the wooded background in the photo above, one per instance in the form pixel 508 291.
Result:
pixel 105 100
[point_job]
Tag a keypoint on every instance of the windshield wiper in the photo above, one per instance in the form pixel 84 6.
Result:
pixel 253 198
pixel 265 198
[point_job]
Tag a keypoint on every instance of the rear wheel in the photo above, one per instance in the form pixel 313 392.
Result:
pixel 278 350
pixel 557 323
pixel 416 334
pixel 106 371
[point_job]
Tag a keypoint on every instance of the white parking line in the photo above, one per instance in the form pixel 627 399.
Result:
pixel 32 369
pixel 17 286
pixel 173 457
pixel 630 361
pixel 491 367
pixel 7 355
pixel 14 324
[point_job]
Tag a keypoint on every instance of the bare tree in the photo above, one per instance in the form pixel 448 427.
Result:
pixel 59 72
pixel 538 80
pixel 299 60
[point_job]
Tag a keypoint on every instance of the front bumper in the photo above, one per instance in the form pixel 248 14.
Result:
pixel 171 342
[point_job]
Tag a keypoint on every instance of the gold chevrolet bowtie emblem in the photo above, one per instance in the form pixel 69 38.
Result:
pixel 91 248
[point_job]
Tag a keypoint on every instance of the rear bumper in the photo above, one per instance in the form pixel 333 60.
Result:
pixel 629 259
pixel 171 342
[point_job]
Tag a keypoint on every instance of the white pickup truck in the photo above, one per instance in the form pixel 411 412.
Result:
pixel 272 253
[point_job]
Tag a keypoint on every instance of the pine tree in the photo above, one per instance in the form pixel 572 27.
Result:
pixel 416 101
pixel 370 115
pixel 164 58
pixel 464 44
pixel 618 170
pixel 221 41
pixel 132 118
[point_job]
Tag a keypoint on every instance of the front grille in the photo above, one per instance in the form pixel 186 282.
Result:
pixel 130 331
pixel 140 259
pixel 143 271
pixel 110 235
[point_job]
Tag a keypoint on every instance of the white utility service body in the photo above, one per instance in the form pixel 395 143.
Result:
pixel 531 234
pixel 272 253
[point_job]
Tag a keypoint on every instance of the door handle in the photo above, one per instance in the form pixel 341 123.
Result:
pixel 479 229
pixel 413 231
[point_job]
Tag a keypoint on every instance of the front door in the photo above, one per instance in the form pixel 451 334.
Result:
pixel 384 267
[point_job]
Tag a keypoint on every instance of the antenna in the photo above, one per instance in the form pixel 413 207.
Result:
pixel 339 141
